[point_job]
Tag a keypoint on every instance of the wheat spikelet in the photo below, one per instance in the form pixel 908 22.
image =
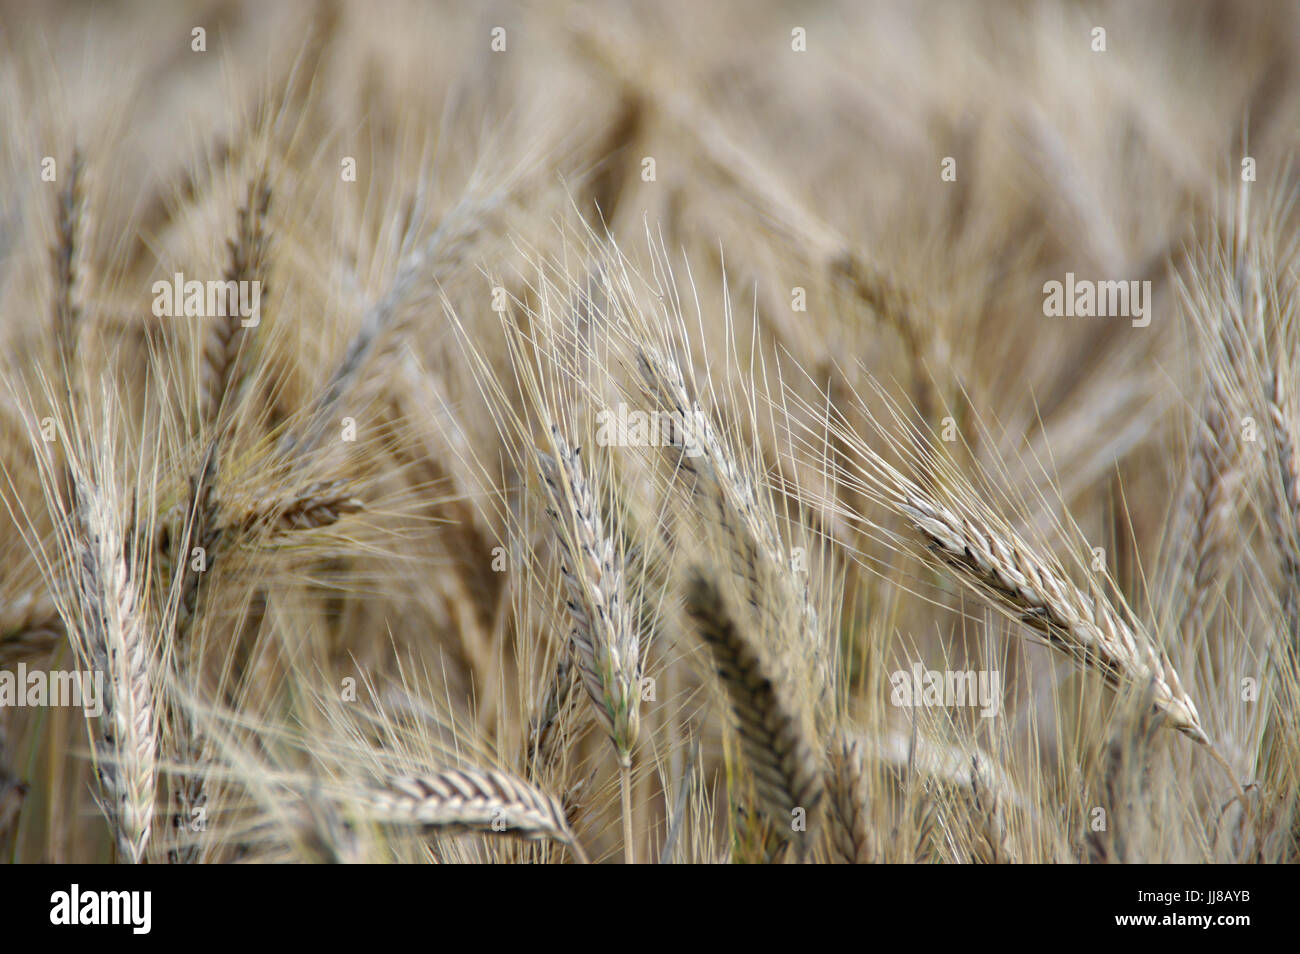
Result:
pixel 471 800
pixel 1002 568
pixel 776 744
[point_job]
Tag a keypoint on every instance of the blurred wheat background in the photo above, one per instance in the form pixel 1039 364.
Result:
pixel 370 581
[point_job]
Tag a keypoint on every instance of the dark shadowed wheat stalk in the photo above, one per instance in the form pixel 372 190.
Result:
pixel 776 743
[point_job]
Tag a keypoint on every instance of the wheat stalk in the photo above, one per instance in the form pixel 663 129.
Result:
pixel 776 743
pixel 1214 480
pixel 608 652
pixel 421 272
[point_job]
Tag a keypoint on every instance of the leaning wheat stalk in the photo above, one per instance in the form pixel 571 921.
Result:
pixel 224 342
pixel 1210 502
pixel 775 586
pixel 471 800
pixel 1002 568
pixel 604 634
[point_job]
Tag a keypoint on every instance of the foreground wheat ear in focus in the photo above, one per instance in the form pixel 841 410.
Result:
pixel 541 440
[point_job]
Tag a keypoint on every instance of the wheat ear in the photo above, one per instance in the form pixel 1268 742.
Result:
pixel 604 636
pixel 848 794
pixel 775 587
pixel 776 744
pixel 317 505
pixel 472 800
pixel 110 633
pixel 64 256
pixel 1005 570
pixel 1210 503
pixel 224 342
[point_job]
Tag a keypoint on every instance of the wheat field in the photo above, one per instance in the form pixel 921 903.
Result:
pixel 549 432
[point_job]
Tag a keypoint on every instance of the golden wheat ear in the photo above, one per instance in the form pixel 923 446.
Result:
pixel 1002 568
